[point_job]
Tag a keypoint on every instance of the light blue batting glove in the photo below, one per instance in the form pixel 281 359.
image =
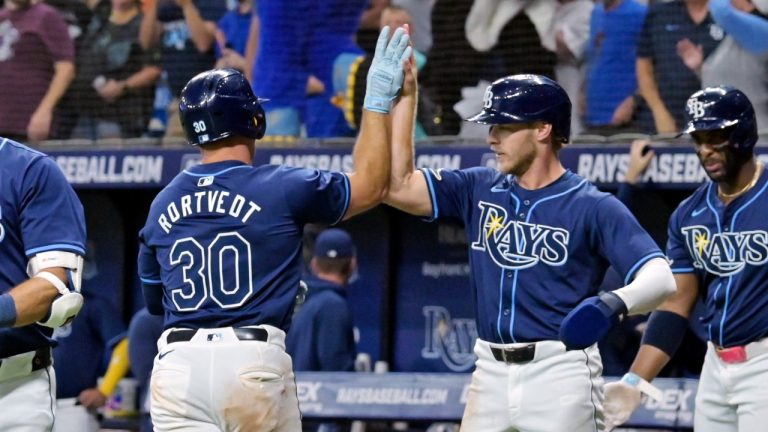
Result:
pixel 385 76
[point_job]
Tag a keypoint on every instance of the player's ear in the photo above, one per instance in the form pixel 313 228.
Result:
pixel 543 131
pixel 313 265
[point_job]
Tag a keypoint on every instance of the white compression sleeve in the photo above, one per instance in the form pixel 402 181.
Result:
pixel 653 283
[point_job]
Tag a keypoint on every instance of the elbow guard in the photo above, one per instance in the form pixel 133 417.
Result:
pixel 72 262
pixel 68 303
pixel 64 307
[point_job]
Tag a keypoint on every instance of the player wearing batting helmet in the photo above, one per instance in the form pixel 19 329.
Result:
pixel 220 253
pixel 718 247
pixel 541 238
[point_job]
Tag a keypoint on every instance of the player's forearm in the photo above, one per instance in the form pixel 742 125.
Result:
pixel 34 296
pixel 371 158
pixel 407 189
pixel 149 30
pixel 649 362
pixel 252 46
pixel 403 121
pixel 750 31
pixel 646 82
pixel 64 73
pixel 199 31
pixel 147 76
pixel 666 328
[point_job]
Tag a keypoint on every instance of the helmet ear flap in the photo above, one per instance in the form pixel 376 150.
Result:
pixel 260 121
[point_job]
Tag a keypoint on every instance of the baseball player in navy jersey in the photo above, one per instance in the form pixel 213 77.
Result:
pixel 42 244
pixel 541 238
pixel 220 253
pixel 718 247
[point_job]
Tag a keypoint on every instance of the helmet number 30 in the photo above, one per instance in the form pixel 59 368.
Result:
pixel 199 126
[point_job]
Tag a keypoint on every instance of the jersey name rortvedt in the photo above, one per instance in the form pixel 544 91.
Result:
pixel 207 202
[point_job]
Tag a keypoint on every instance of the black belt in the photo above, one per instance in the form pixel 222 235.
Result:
pixel 41 360
pixel 242 333
pixel 514 355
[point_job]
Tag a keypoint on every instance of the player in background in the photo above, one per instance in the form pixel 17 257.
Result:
pixel 541 238
pixel 322 334
pixel 718 247
pixel 42 244
pixel 220 253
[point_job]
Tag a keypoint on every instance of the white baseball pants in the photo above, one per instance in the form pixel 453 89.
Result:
pixel 557 391
pixel 733 397
pixel 217 382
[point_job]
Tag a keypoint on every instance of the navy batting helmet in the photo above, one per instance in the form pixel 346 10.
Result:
pixel 525 99
pixel 219 103
pixel 715 108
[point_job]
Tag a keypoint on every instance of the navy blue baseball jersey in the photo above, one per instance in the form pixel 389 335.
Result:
pixel 39 212
pixel 726 247
pixel 322 335
pixel 535 254
pixel 224 241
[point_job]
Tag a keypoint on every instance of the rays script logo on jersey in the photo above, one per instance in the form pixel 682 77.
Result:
pixel 726 253
pixel 518 244
pixel 451 340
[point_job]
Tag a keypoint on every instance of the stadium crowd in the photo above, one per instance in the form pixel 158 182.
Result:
pixel 100 69
pixel 96 70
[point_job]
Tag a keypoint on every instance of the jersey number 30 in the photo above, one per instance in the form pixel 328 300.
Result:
pixel 221 272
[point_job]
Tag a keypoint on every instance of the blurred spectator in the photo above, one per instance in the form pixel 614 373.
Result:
pixel 368 29
pixel 421 22
pixel 394 17
pixel 611 83
pixel 514 33
pixel 664 81
pixel 570 32
pixel 640 196
pixel 397 16
pixel 737 61
pixel 232 36
pixel 185 30
pixel 333 26
pixel 745 21
pixel 350 70
pixel 35 49
pixel 280 73
pixel 143 332
pixel 293 65
pixel 81 358
pixel 113 92
pixel 453 64
pixel 78 16
pixel 481 39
